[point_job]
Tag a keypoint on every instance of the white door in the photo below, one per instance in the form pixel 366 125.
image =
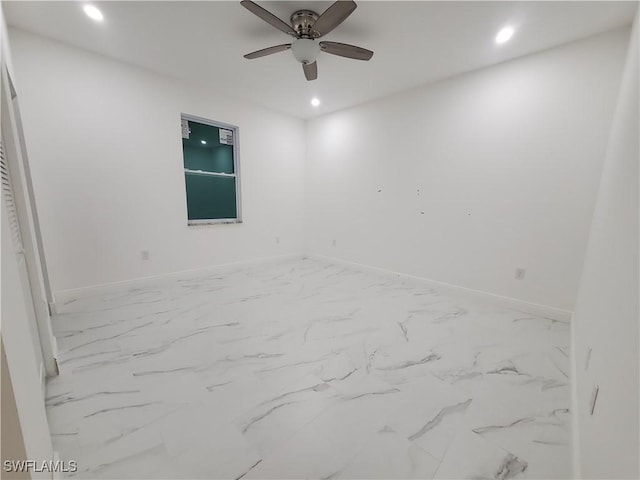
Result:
pixel 18 247
pixel 25 228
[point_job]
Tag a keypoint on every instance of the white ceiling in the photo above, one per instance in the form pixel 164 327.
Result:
pixel 414 42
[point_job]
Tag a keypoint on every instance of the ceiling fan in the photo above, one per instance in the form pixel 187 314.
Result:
pixel 307 26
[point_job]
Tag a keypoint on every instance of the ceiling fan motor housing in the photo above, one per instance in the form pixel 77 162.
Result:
pixel 302 22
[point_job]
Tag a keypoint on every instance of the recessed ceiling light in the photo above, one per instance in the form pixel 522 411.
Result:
pixel 93 13
pixel 315 102
pixel 504 35
pixel 204 142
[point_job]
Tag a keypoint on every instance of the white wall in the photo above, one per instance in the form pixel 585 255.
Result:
pixel 106 156
pixel 607 313
pixel 506 160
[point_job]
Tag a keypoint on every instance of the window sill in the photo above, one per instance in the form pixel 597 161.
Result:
pixel 222 221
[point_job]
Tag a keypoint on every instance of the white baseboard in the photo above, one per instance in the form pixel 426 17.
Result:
pixel 513 303
pixel 63 296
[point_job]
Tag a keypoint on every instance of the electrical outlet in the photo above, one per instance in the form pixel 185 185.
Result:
pixel 144 254
pixel 520 273
pixel 333 244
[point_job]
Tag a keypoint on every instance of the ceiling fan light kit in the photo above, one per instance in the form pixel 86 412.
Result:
pixel 306 26
pixel 305 50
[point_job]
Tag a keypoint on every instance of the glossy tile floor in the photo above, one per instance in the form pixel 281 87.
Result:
pixel 305 369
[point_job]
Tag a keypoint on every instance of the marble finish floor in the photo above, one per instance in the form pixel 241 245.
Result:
pixel 306 369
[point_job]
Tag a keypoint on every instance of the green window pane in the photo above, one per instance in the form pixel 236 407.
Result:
pixel 210 156
pixel 210 197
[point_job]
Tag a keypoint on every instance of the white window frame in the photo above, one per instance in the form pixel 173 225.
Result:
pixel 236 171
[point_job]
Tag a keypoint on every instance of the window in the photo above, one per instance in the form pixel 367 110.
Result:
pixel 210 171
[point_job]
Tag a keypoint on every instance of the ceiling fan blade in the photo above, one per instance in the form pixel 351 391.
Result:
pixel 267 51
pixel 333 16
pixel 310 70
pixel 346 50
pixel 268 17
